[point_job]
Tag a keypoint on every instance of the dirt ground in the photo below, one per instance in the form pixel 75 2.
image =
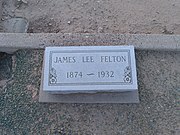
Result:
pixel 158 72
pixel 102 16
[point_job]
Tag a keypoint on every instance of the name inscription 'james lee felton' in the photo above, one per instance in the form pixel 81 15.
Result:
pixel 89 69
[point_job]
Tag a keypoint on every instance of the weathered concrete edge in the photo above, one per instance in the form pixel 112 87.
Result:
pixel 14 41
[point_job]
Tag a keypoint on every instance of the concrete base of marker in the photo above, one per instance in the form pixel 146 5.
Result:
pixel 124 97
pixel 119 97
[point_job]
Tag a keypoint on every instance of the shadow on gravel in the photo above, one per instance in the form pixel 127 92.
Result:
pixel 5 66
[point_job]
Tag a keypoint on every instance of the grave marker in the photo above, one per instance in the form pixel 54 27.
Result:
pixel 89 69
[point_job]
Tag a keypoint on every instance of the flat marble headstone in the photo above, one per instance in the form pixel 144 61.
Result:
pixel 89 69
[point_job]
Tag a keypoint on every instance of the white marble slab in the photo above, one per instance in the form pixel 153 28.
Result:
pixel 89 69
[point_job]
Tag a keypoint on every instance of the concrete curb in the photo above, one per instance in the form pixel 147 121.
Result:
pixel 10 42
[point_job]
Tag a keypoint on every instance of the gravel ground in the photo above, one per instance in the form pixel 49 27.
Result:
pixel 157 113
pixel 158 72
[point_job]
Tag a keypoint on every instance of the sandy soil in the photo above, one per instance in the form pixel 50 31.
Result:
pixel 104 16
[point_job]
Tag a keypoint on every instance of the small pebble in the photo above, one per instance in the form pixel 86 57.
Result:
pixel 50 24
pixel 24 1
pixel 69 22
pixel 100 29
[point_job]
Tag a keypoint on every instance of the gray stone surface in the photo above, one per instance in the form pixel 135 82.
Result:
pixel 89 69
pixel 15 25
pixel 13 42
